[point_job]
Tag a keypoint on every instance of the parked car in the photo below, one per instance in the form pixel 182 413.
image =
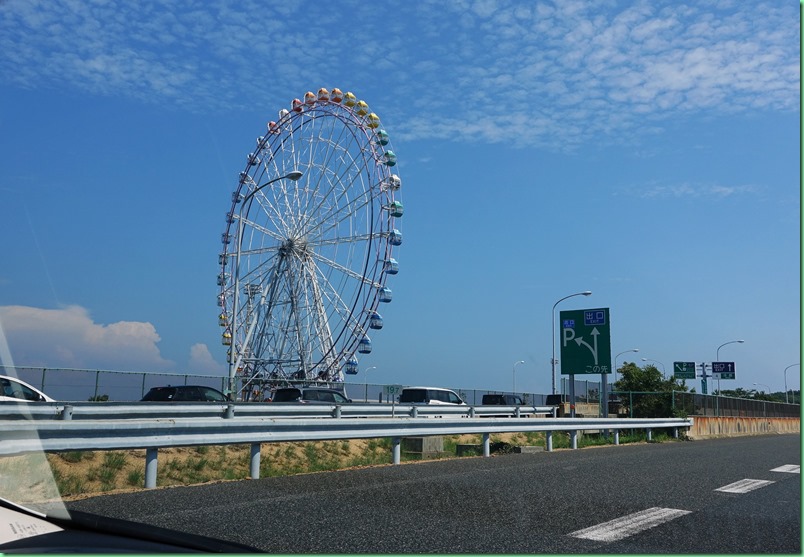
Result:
pixel 12 389
pixel 184 393
pixel 309 395
pixel 504 400
pixel 429 395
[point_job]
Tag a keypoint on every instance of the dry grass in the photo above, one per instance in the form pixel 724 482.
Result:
pixel 85 473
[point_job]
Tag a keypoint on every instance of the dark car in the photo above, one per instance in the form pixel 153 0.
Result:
pixel 184 393
pixel 504 400
pixel 309 395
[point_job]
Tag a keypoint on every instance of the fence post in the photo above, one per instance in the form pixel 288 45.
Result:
pixel 255 461
pixel 97 377
pixel 150 467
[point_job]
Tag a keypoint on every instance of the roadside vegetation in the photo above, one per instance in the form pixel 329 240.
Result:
pixel 85 473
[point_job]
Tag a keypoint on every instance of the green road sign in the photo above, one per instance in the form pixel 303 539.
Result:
pixel 585 341
pixel 684 370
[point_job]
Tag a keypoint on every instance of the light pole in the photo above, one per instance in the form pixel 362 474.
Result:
pixel 658 362
pixel 234 358
pixel 514 372
pixel 617 356
pixel 785 383
pixel 553 359
pixel 717 358
pixel 762 385
pixel 367 370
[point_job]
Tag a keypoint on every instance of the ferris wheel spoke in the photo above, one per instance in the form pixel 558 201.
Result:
pixel 345 270
pixel 339 306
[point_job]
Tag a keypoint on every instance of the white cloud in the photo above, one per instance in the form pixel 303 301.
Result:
pixel 68 337
pixel 202 362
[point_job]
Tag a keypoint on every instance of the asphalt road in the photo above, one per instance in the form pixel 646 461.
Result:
pixel 648 498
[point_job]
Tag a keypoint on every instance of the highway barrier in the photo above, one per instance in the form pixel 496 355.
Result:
pixel 57 427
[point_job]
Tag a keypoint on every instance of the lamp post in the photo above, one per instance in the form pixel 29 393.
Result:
pixel 514 373
pixel 367 370
pixel 717 358
pixel 553 360
pixel 658 362
pixel 234 358
pixel 762 385
pixel 785 383
pixel 617 356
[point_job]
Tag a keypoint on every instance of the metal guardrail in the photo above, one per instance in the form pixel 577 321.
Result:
pixel 57 427
pixel 142 410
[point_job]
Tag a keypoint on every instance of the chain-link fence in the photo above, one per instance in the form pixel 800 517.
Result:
pixel 85 384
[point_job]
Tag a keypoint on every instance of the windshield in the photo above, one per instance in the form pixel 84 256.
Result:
pixel 563 203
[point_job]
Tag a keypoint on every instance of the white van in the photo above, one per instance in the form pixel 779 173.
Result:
pixel 429 395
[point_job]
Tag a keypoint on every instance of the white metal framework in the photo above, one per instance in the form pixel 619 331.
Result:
pixel 308 243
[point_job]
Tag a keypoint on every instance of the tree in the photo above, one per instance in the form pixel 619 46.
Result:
pixel 649 394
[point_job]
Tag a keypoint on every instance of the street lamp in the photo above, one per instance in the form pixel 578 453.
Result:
pixel 658 362
pixel 717 358
pixel 514 372
pixel 617 356
pixel 553 359
pixel 234 363
pixel 785 382
pixel 366 371
pixel 762 385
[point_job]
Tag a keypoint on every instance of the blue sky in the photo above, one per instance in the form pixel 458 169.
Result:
pixel 646 151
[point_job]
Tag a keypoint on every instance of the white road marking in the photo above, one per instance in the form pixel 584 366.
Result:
pixel 744 486
pixel 629 525
pixel 792 468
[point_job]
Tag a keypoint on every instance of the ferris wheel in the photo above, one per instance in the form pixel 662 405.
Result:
pixel 309 243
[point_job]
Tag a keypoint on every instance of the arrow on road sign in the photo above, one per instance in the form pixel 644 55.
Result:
pixel 594 334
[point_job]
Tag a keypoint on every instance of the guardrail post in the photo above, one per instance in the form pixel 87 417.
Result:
pixel 229 412
pixel 517 413
pixel 396 450
pixel 337 412
pixel 649 434
pixel 675 433
pixel 616 436
pixel 472 412
pixel 486 445
pixel 255 461
pixel 574 438
pixel 150 467
pixel 548 442
pixel 66 412
pixel 414 412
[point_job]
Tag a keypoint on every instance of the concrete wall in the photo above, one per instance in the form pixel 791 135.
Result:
pixel 706 427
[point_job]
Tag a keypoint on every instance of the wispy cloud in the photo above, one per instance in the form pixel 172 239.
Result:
pixel 692 190
pixel 541 74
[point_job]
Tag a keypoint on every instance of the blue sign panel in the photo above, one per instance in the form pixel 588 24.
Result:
pixel 594 317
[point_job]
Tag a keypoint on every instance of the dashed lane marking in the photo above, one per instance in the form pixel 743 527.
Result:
pixel 791 468
pixel 744 486
pixel 629 525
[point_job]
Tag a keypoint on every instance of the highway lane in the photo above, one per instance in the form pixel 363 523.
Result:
pixel 647 498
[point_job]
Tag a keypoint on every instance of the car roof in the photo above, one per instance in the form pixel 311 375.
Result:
pixel 429 389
